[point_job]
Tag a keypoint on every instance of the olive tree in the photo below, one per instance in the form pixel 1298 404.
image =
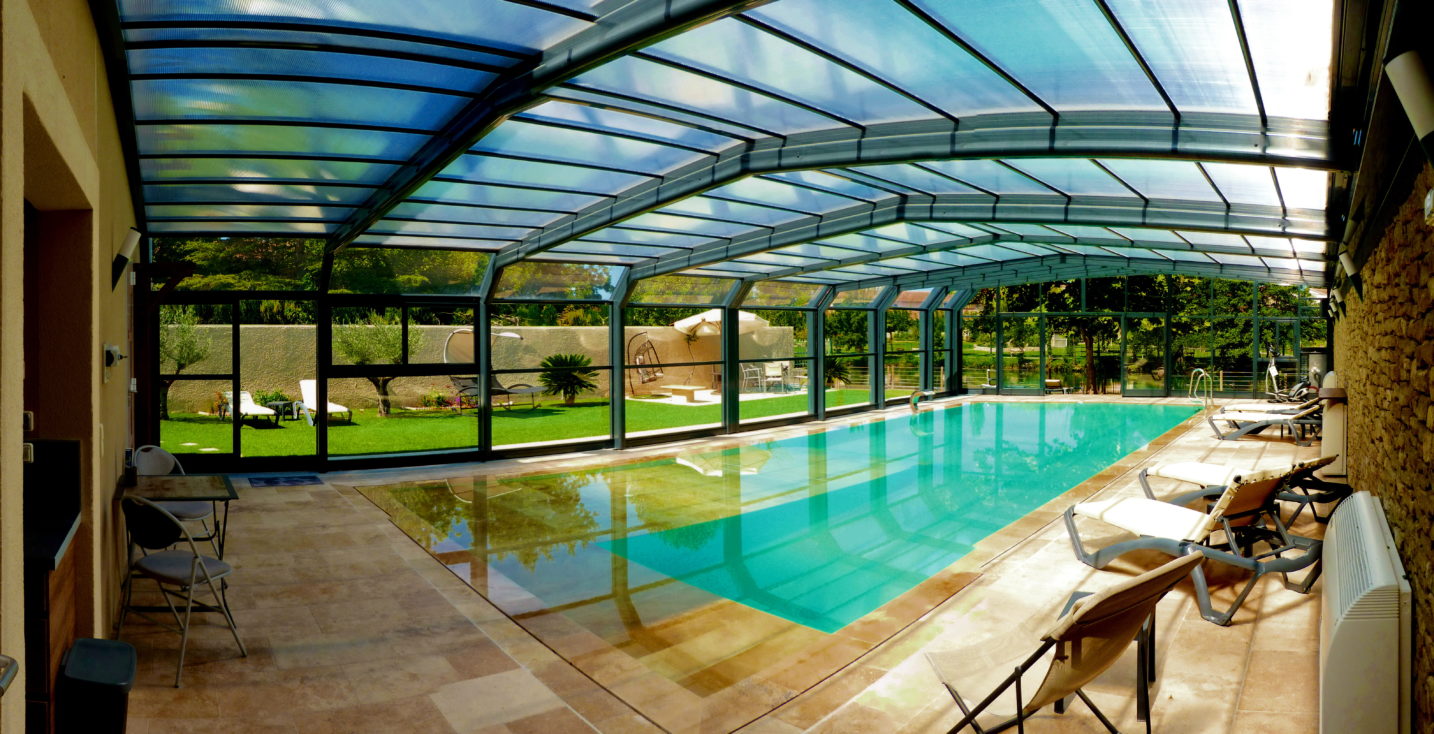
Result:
pixel 376 340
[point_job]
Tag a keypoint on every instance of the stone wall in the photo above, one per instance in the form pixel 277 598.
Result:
pixel 275 358
pixel 1384 353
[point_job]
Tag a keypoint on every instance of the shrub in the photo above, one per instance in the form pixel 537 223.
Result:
pixel 271 396
pixel 437 399
pixel 567 375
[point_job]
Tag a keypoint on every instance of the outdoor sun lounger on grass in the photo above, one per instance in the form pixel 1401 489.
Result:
pixel 247 407
pixel 309 390
pixel 1243 424
pixel 1244 516
pixel 1083 644
pixel 1301 485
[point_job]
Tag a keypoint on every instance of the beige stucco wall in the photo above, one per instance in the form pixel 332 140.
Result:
pixel 59 150
pixel 1385 358
pixel 275 358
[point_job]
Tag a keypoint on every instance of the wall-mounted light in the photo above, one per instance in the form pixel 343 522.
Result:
pixel 1351 271
pixel 124 257
pixel 112 355
pixel 1415 88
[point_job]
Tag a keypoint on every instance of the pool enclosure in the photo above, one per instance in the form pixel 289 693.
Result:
pixel 653 219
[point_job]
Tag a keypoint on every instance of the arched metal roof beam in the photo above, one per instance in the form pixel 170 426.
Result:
pixel 1114 241
pixel 1024 209
pixel 1065 267
pixel 1200 137
pixel 631 26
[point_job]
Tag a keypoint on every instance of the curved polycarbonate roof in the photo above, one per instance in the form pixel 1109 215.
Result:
pixel 831 142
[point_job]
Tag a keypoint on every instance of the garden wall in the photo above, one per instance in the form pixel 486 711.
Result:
pixel 1384 354
pixel 275 358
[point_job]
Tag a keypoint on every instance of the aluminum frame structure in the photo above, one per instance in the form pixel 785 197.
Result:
pixel 757 140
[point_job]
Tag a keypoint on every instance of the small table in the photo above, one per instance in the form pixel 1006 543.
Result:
pixel 190 488
pixel 687 391
pixel 288 409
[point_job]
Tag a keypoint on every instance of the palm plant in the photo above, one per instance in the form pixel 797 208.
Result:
pixel 567 375
pixel 836 370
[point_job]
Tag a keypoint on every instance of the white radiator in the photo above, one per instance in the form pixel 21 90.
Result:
pixel 1364 639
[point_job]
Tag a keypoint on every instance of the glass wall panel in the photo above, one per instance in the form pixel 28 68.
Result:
pixel 1190 296
pixel 857 298
pixel 1062 350
pixel 1231 296
pixel 1144 356
pixel 1021 353
pixel 1062 295
pixel 243 263
pixel 424 413
pixel 682 289
pixel 1105 294
pixel 674 367
pixel 978 341
pixel 849 357
pixel 1278 346
pixel 407 270
pixel 774 373
pixel 1023 298
pixel 558 281
pixel 1189 350
pixel 940 348
pixel 1232 339
pixel 364 335
pixel 194 418
pixel 550 376
pixel 781 293
pixel 276 354
pixel 903 350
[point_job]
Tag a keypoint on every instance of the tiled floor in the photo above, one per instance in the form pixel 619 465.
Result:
pixel 353 627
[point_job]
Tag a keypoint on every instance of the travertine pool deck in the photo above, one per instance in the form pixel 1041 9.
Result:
pixel 353 627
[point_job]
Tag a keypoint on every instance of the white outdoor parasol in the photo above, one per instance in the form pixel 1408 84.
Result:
pixel 709 323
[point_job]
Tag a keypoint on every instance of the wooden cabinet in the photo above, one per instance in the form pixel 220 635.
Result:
pixel 52 516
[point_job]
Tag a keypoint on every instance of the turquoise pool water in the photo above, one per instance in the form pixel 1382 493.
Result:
pixel 818 529
pixel 885 505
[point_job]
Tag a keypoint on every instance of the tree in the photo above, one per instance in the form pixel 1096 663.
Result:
pixel 376 340
pixel 567 375
pixel 179 345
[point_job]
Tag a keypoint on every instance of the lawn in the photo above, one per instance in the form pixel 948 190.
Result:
pixel 445 429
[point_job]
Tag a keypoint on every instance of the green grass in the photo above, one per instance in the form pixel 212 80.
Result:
pixel 445 429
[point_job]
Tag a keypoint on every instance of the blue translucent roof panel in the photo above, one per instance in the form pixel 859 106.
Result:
pixel 775 191
pixel 957 229
pixel 748 55
pixel 208 138
pixel 257 192
pixel 301 102
pixel 247 211
pixel 925 64
pixel 1043 43
pixel 685 225
pixel 578 146
pixel 913 233
pixel 390 240
pixel 472 214
pixel 1290 46
pixel 1303 188
pixel 1156 179
pixel 863 242
pixel 735 211
pixel 1194 49
pixel 1244 184
pixel 989 176
pixel 157 169
pixel 639 236
pixel 1147 234
pixel 392 226
pixel 611 248
pixel 1219 239
pixel 622 123
pixel 285 62
pixel 488 169
pixel 830 181
pixel 949 258
pixel 1080 230
pixel 492 22
pixel 915 178
pixel 654 82
pixel 453 53
pixel 1071 176
pixel 243 226
pixel 484 195
pixel 817 250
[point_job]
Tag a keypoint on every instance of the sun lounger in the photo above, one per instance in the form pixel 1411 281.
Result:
pixel 1270 407
pixel 309 390
pixel 247 407
pixel 1083 644
pixel 1243 517
pixel 1243 424
pixel 1301 486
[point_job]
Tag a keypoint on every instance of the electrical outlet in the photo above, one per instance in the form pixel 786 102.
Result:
pixel 27 453
pixel 27 421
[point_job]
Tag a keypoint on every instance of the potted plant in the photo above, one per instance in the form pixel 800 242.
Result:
pixel 567 375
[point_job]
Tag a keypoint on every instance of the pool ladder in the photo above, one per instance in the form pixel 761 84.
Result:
pixel 917 395
pixel 1202 388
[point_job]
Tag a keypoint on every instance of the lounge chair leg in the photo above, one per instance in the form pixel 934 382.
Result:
pixel 1091 705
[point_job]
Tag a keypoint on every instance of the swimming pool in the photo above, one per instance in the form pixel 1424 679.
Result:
pixel 817 529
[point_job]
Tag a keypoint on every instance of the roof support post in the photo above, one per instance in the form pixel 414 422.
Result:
pixel 616 349
pixel 817 348
pixel 482 352
pixel 731 354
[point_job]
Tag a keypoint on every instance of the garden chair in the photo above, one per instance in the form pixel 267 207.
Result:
pixel 177 571
pixel 153 461
pixel 247 407
pixel 1084 643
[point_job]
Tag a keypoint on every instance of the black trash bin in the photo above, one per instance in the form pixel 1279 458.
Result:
pixel 92 694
